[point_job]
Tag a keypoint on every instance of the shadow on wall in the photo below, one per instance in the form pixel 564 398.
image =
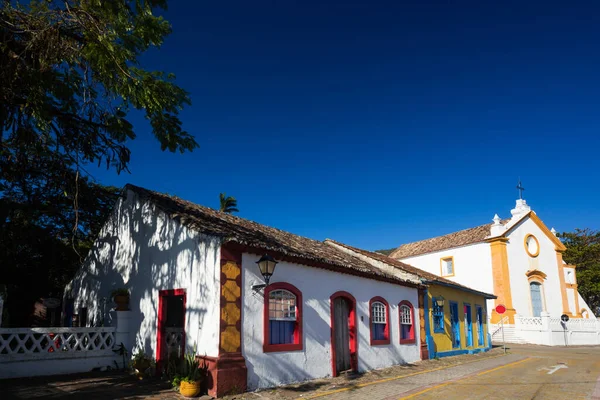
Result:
pixel 140 249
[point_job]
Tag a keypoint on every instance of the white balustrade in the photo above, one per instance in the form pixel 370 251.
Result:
pixel 53 351
pixel 529 323
pixel 36 343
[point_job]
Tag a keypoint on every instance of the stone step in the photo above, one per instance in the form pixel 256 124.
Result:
pixel 510 335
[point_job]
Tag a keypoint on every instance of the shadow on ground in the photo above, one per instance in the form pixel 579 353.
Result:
pixel 93 385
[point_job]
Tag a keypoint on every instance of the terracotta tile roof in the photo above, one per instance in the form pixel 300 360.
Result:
pixel 456 239
pixel 428 276
pixel 261 237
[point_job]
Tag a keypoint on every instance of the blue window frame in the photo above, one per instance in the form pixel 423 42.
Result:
pixel 455 325
pixel 480 337
pixel 438 317
pixel 468 324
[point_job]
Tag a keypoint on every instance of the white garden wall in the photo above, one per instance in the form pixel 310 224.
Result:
pixel 314 361
pixel 27 352
pixel 140 248
pixel 551 331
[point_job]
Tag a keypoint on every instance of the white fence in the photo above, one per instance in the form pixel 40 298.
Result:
pixel 553 332
pixel 52 351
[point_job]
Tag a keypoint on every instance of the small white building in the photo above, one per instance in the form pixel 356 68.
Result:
pixel 518 259
pixel 193 279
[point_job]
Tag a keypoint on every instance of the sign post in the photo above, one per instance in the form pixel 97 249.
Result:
pixel 564 319
pixel 500 309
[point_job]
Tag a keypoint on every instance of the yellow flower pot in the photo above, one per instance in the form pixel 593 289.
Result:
pixel 188 389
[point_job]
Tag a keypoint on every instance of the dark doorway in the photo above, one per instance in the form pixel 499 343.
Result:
pixel 171 327
pixel 343 333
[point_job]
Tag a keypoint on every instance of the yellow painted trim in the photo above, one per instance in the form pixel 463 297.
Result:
pixel 537 253
pixel 442 259
pixel 559 246
pixel 501 278
pixel 410 396
pixel 534 274
pixel 393 378
pixel 561 280
pixel 576 294
pixel 574 286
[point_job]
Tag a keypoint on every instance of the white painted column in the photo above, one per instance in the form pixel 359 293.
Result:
pixel 122 334
pixel 546 331
pixel 517 323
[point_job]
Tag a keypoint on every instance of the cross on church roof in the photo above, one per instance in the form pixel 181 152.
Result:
pixel 520 188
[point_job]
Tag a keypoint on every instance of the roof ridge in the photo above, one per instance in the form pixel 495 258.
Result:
pixel 407 267
pixel 461 238
pixel 261 237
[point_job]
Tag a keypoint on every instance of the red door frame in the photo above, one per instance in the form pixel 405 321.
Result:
pixel 352 331
pixel 161 320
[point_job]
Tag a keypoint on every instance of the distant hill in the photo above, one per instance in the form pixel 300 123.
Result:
pixel 385 252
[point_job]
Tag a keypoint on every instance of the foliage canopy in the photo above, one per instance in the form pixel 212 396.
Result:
pixel 70 76
pixel 583 250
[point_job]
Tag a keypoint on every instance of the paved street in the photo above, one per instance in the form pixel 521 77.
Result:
pixel 528 372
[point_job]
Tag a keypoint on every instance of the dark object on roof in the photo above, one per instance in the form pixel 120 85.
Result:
pixel 427 277
pixel 232 229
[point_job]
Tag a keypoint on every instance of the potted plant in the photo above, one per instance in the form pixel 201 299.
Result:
pixel 121 297
pixel 189 376
pixel 142 364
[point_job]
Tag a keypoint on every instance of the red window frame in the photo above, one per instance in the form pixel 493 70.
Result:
pixel 411 339
pixel 379 342
pixel 297 345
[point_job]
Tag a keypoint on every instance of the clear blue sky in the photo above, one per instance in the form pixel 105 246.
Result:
pixel 380 123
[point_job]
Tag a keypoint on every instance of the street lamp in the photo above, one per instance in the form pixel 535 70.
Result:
pixel 266 265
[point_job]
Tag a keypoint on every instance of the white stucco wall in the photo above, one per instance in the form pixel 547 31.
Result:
pixel 520 262
pixel 140 248
pixel 584 306
pixel 472 266
pixel 314 361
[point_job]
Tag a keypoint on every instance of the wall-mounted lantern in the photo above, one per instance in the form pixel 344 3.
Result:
pixel 266 265
pixel 439 301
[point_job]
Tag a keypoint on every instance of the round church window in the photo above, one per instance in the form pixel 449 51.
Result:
pixel 532 246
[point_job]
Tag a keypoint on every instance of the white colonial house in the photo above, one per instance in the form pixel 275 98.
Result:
pixel 194 281
pixel 519 260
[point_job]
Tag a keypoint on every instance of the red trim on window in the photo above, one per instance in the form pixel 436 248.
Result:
pixel 297 345
pixel 162 309
pixel 387 321
pixel 411 339
pixel 352 325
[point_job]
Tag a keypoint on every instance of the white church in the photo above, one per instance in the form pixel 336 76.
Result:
pixel 519 259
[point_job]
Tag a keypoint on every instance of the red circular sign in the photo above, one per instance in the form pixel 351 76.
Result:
pixel 500 309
